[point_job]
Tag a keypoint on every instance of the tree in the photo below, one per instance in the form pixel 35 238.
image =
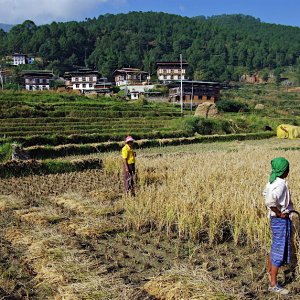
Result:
pixel 216 48
pixel 277 74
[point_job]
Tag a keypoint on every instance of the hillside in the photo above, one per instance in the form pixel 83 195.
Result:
pixel 216 48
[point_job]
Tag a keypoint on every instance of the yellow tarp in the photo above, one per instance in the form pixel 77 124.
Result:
pixel 285 131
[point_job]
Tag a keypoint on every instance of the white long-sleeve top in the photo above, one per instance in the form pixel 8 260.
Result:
pixel 277 194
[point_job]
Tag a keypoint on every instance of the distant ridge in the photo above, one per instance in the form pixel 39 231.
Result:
pixel 6 27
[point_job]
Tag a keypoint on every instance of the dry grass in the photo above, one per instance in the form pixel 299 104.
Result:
pixel 212 195
pixel 186 282
pixel 63 271
pixel 96 204
pixel 9 203
pixel 38 215
pixel 91 228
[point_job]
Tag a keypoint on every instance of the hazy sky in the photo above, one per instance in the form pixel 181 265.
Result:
pixel 46 11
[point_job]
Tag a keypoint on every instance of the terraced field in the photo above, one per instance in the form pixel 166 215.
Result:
pixel 24 114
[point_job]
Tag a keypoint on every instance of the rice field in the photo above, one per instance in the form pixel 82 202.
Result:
pixel 24 114
pixel 197 228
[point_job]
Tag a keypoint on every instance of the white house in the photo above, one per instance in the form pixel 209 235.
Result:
pixel 131 76
pixel 37 80
pixel 83 79
pixel 171 70
pixel 22 59
pixel 19 59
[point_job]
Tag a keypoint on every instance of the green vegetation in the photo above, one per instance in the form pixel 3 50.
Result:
pixel 55 139
pixel 33 167
pixel 25 116
pixel 227 105
pixel 216 48
pixel 205 126
pixel 269 106
pixel 5 152
pixel 44 152
pixel 59 125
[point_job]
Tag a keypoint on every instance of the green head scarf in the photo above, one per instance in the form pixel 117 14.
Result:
pixel 279 166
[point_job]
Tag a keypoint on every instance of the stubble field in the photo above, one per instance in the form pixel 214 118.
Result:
pixel 197 228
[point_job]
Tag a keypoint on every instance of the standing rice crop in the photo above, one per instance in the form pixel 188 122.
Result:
pixel 210 196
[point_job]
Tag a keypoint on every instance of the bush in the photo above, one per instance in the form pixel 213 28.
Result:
pixel 11 86
pixel 232 106
pixel 5 152
pixel 208 126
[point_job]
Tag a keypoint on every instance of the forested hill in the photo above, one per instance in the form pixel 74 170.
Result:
pixel 217 48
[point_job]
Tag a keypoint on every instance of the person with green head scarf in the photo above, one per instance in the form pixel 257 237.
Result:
pixel 279 166
pixel 279 204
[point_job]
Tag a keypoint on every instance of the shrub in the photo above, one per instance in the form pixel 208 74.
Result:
pixel 232 106
pixel 5 152
pixel 208 126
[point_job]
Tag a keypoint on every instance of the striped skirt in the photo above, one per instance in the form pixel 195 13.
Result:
pixel 129 178
pixel 281 241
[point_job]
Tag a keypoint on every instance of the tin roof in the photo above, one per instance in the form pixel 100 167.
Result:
pixel 164 63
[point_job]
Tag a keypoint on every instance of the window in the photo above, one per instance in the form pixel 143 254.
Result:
pixel 83 79
pixel 91 78
pixel 77 85
pixel 84 85
pixel 90 85
pixel 76 78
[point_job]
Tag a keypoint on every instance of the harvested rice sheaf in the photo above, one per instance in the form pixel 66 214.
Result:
pixel 186 283
pixel 9 203
pixel 87 206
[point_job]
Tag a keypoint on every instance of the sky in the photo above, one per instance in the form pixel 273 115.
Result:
pixel 284 12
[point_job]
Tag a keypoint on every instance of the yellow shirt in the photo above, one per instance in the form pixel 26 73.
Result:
pixel 128 154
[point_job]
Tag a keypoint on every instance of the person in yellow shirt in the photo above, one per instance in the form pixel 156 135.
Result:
pixel 128 156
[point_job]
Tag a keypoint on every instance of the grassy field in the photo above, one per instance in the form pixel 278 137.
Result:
pixel 197 228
